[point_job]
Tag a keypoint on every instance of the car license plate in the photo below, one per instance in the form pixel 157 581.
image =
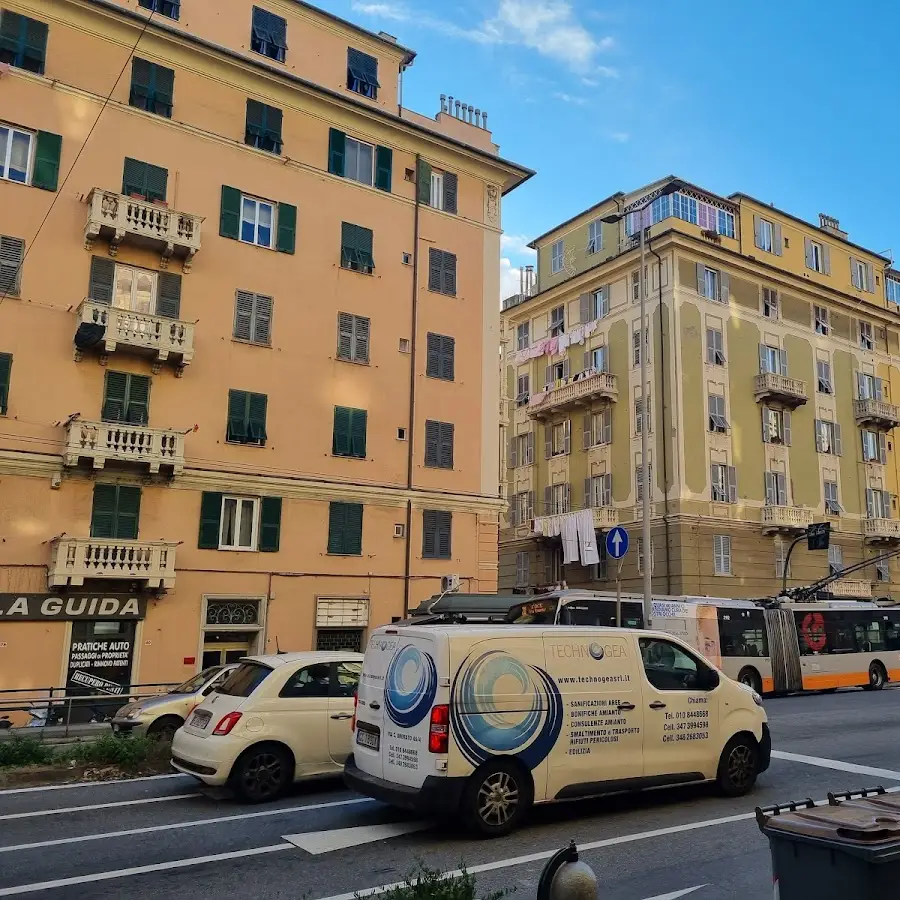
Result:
pixel 200 719
pixel 368 739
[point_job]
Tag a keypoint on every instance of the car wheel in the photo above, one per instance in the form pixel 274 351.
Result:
pixel 262 773
pixel 877 677
pixel 750 677
pixel 738 766
pixel 497 797
pixel 164 729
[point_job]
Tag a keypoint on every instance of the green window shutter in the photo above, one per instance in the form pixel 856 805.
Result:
pixel 137 406
pixel 230 213
pixel 168 295
pixel 358 422
pixel 423 182
pixel 5 374
pixel 103 276
pixel 270 524
pixel 210 520
pixel 384 159
pixel 256 121
pixel 47 151
pixel 238 403
pixel 115 396
pixel 134 177
pixel 256 418
pixel 11 25
pixel 128 513
pixel 337 513
pixel 103 511
pixel 165 90
pixel 141 83
pixel 451 192
pixel 34 51
pixel 336 151
pixel 353 521
pixel 340 442
pixel 356 247
pixel 287 228
pixel 157 182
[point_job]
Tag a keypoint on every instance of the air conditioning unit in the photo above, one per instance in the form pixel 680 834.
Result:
pixel 449 583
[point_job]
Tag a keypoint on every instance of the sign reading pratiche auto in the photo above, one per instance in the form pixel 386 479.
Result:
pixel 40 607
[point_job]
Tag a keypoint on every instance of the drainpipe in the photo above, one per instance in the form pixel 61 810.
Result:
pixel 662 400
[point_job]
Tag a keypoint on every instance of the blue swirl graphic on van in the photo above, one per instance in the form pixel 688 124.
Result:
pixel 528 721
pixel 410 686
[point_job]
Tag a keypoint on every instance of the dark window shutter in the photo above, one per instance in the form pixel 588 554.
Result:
pixel 270 524
pixel 47 152
pixel 432 442
pixel 210 520
pixel 358 428
pixel 345 336
pixel 448 358
pixel 103 511
pixel 256 121
pixel 448 285
pixel 287 228
pixel 423 184
pixel 157 183
pixel 35 45
pixel 115 396
pixel 165 90
pixel 384 157
pixel 238 402
pixel 134 177
pixel 5 374
pixel 444 526
pixel 272 134
pixel 12 255
pixel 340 441
pixel 128 512
pixel 230 213
pixel 243 315
pixel 10 26
pixel 337 514
pixel 446 446
pixel 433 358
pixel 141 83
pixel 429 534
pixel 450 192
pixel 256 418
pixel 262 319
pixel 361 339
pixel 168 298
pixel 435 268
pixel 353 529
pixel 103 274
pixel 336 151
pixel 137 404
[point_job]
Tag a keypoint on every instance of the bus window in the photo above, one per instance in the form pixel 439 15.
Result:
pixel 538 612
pixel 870 636
pixel 840 632
pixel 892 630
pixel 742 632
pixel 601 613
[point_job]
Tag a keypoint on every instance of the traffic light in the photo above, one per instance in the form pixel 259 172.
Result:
pixel 818 535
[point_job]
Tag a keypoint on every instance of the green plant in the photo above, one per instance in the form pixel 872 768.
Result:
pixel 24 751
pixel 109 750
pixel 425 883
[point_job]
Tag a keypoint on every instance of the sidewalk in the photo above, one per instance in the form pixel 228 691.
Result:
pixel 59 734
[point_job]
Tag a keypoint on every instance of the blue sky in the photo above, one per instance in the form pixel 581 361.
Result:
pixel 792 101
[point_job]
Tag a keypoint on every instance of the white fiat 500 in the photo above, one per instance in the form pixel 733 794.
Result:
pixel 273 721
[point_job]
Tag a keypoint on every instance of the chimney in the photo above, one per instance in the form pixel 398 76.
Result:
pixel 831 225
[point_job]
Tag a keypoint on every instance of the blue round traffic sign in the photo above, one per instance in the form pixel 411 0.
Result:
pixel 616 542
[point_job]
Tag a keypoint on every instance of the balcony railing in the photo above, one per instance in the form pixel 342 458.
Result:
pixel 845 587
pixel 72 560
pixel 121 442
pixel 598 386
pixel 877 413
pixel 790 391
pixel 605 517
pixel 881 529
pixel 118 217
pixel 786 518
pixel 165 339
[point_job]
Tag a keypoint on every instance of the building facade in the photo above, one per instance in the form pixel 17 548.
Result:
pixel 248 337
pixel 773 351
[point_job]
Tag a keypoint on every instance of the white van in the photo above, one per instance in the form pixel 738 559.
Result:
pixel 483 721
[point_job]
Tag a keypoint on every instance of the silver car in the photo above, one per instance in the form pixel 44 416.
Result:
pixel 160 717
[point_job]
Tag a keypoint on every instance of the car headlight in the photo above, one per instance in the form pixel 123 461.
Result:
pixel 134 712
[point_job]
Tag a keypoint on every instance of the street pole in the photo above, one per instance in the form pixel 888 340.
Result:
pixel 619 595
pixel 645 428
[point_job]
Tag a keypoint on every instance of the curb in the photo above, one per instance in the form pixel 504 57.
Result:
pixel 35 776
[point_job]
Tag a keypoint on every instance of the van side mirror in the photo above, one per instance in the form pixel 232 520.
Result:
pixel 708 680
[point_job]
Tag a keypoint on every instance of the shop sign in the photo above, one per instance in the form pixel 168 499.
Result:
pixel 100 663
pixel 43 607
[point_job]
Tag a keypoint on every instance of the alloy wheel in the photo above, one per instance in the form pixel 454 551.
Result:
pixel 498 798
pixel 263 774
pixel 741 766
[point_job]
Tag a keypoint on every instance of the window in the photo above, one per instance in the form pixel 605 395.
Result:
pixel 598 491
pixel 892 289
pixel 765 234
pixel 828 437
pixel 868 387
pixel 253 318
pixel 776 489
pixel 821 318
pixel 437 526
pixel 263 129
pixel 832 505
pixel 256 221
pixel 240 523
pixel 639 415
pixel 246 418
pixel 253 221
pixel 770 303
pixel 362 74
pixel 780 556
pixel 553 565
pixel 776 424
pixel 835 559
pixel 126 398
pixel 636 284
pixel 862 275
pixel 721 554
pixel 349 437
pixel 442 272
pixel 15 154
pixel 523 336
pixel 557 499
pixel 523 389
pixel 365 163
pixel 557 439
pixel 636 344
pixel 556 373
pixel 772 360
pixel 310 681
pixel 597 359
pixel 717 420
pixel 437 189
pixel 818 256
pixel 5 376
pixel 598 428
pixel 345 529
pixel 878 504
pixel 743 632
pixel 874 447
pixel 659 209
pixel 152 87
pixel 23 42
pixel 167 8
pixel 640 556
pixel 556 257
pixel 715 347
pixel 353 338
pixel 441 358
pixel 356 248
pixel 115 512
pixel 599 304
pixel 684 207
pixel 144 180
pixel 522 450
pixel 268 34
pixel 438 445
pixel 133 289
pixel 882 570
pixel 523 566
pixel 725 223
pixel 359 161
pixel 595 236
pixel 866 341
pixel 711 284
pixel 823 377
pixel 557 321
pixel 12 255
pixel 639 482
pixel 522 508
pixel 723 483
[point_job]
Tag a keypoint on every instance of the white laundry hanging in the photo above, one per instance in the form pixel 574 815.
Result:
pixel 587 537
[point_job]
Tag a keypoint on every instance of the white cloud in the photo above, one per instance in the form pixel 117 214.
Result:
pixel 516 245
pixel 509 279
pixel 381 10
pixel 568 98
pixel 620 137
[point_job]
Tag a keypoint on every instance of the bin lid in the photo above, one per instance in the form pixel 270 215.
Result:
pixel 859 823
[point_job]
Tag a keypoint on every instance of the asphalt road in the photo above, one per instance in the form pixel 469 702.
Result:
pixel 164 838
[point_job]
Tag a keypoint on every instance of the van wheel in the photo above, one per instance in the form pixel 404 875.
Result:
pixel 877 677
pixel 262 773
pixel 750 677
pixel 738 766
pixel 496 798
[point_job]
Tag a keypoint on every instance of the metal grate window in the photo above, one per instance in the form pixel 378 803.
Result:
pixel 335 640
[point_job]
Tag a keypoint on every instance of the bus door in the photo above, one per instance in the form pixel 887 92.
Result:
pixel 784 650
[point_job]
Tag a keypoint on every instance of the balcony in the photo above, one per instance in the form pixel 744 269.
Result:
pixel 120 442
pixel 845 587
pixel 599 386
pixel 876 414
pixel 605 517
pixel 72 560
pixel 117 217
pixel 785 519
pixel 789 391
pixel 112 328
pixel 881 530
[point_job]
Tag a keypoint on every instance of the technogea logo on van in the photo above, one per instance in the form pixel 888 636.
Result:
pixel 593 650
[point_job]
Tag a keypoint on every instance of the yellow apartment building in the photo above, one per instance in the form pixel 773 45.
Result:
pixel 248 337
pixel 774 347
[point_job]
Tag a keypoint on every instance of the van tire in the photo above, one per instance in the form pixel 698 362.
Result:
pixel 750 677
pixel 738 766
pixel 877 677
pixel 262 773
pixel 497 797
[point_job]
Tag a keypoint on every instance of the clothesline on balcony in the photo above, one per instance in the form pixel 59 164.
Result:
pixel 579 540
pixel 552 345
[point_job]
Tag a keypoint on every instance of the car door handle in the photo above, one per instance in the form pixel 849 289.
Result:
pixel 343 716
pixel 626 706
pixel 374 705
pixel 657 704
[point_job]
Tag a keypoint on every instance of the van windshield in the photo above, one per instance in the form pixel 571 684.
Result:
pixel 244 680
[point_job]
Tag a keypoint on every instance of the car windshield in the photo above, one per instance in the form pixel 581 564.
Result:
pixel 244 680
pixel 192 685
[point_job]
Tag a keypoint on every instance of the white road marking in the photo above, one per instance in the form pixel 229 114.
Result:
pixel 70 809
pixel 676 894
pixel 150 829
pixel 837 764
pixel 341 838
pixel 88 784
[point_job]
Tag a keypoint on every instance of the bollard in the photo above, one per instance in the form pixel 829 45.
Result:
pixel 567 878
